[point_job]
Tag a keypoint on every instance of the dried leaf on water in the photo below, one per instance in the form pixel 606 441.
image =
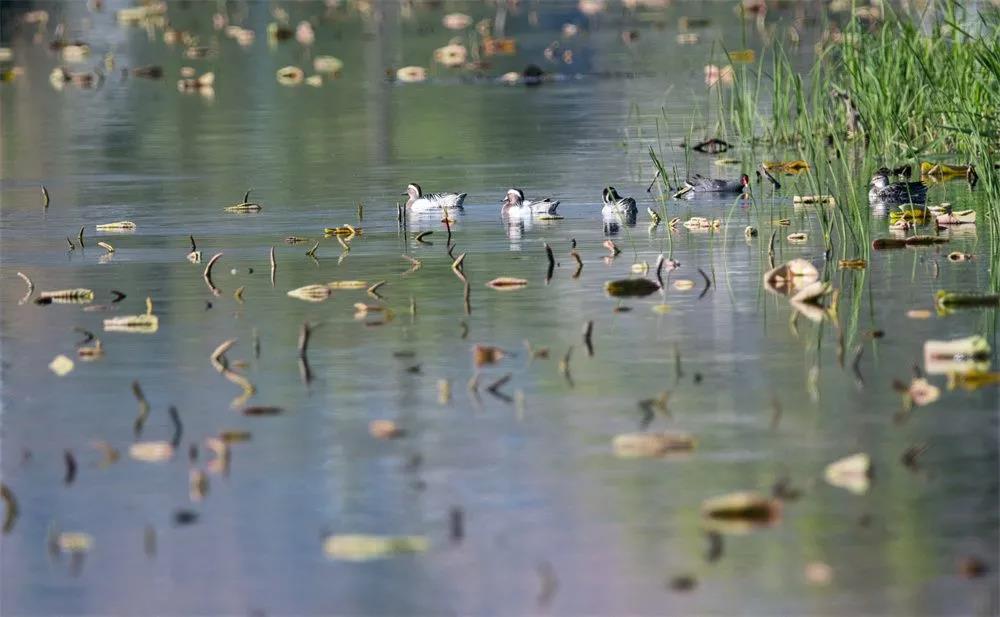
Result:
pixel 852 473
pixel 347 284
pixel 645 445
pixel 921 392
pixel 630 287
pixel 262 410
pixel 814 199
pixel 790 168
pixel 852 264
pixel 486 354
pixel 798 237
pixel 507 283
pixel 961 217
pixel 964 355
pixel 361 547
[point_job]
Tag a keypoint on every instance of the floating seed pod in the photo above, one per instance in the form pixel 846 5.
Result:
pixel 951 300
pixel 117 226
pixel 347 284
pixel 683 284
pixel 411 74
pixel 633 287
pixel 798 237
pixel 141 324
pixel 507 283
pixel 245 206
pixel 921 392
pixel 701 223
pixel 645 445
pixel 311 293
pixel 451 56
pixel 328 64
pixel 66 296
pixel 359 547
pixel 852 264
pixel 262 410
pixel 852 473
pixel 74 542
pixel 549 217
pixel 151 451
pixel 742 505
pixel 107 247
pixel 456 21
pixel 957 256
pixel 385 429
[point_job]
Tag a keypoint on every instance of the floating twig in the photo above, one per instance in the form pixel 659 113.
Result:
pixel 72 246
pixel 274 265
pixel 312 252
pixel 420 237
pixel 304 332
pixel 416 263
pixel 10 508
pixel 207 274
pixel 588 332
pixel 494 388
pixel 579 261
pixel 175 418
pixel 373 290
pixel 708 283
pixel 140 420
pixel 564 366
pixel 45 197
pixel 456 525
pixel 238 294
pixel 107 247
pixel 552 263
pixel 79 238
pixel 70 461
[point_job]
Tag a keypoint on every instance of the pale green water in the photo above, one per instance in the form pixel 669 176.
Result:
pixel 537 485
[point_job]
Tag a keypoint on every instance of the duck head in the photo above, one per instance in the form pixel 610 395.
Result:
pixel 514 198
pixel 745 180
pixel 880 180
pixel 413 191
pixel 611 195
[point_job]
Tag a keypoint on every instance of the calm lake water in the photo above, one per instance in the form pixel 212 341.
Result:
pixel 554 522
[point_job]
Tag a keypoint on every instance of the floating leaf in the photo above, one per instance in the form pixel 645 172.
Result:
pixel 61 365
pixel 117 226
pixel 630 287
pixel 644 445
pixel 922 392
pixel 486 354
pixel 151 451
pixel 961 217
pixel 507 283
pixel 942 170
pixel 359 547
pixel 790 168
pixel 852 473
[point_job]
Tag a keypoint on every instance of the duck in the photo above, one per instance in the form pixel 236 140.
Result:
pixel 616 205
pixel 885 193
pixel 418 202
pixel 514 204
pixel 701 184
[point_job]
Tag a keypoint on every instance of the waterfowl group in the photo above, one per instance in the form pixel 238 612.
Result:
pixel 514 205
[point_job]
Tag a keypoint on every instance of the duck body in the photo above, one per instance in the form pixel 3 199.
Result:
pixel 515 205
pixel 616 206
pixel 418 201
pixel 701 184
pixel 885 193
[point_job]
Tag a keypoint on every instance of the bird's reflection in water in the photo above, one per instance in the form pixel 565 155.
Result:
pixel 612 224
